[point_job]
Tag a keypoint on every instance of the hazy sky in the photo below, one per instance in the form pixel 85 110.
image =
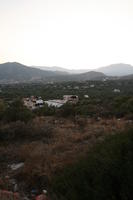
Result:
pixel 67 33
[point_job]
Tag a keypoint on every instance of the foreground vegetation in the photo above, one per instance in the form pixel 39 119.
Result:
pixel 65 149
pixel 47 144
pixel 105 174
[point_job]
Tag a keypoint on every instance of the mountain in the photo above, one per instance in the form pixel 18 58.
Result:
pixel 15 72
pixel 120 69
pixel 63 70
pixel 128 77
pixel 92 75
pixel 59 70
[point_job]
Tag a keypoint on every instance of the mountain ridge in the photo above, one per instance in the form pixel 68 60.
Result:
pixel 12 72
pixel 118 69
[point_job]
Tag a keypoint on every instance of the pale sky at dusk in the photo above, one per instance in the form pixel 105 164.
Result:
pixel 66 33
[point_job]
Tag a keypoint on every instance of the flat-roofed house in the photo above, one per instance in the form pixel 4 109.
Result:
pixel 55 103
pixel 71 98
pixel 33 102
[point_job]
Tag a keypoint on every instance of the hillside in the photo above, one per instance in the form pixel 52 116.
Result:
pixel 117 69
pixel 53 69
pixel 16 72
pixel 92 75
pixel 128 77
pixel 104 174
pixel 55 142
pixel 60 137
pixel 13 72
pixel 63 70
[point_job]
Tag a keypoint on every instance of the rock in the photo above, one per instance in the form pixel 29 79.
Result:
pixel 16 166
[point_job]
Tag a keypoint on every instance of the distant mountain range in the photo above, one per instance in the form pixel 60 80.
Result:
pixel 92 75
pixel 13 72
pixel 63 70
pixel 119 69
pixel 16 72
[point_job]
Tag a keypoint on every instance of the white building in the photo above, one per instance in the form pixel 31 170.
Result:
pixel 71 98
pixel 55 103
pixel 116 90
pixel 76 87
pixel 86 96
pixel 39 102
pixel 92 86
pixel 58 102
pixel 33 102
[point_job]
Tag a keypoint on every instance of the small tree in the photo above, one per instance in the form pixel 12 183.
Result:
pixel 67 110
pixel 2 108
pixel 17 111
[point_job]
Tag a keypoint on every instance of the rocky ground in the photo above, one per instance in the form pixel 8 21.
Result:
pixel 47 146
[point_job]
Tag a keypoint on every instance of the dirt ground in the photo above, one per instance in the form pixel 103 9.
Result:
pixel 43 157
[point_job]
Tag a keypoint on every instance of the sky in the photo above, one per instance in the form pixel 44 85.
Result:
pixel 67 33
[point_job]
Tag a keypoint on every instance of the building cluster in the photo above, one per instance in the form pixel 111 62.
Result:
pixel 73 99
pixel 37 102
pixel 33 102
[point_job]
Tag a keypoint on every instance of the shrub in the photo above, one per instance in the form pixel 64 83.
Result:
pixel 17 111
pixel 106 173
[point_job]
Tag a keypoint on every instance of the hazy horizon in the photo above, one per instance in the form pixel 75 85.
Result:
pixel 71 34
pixel 82 68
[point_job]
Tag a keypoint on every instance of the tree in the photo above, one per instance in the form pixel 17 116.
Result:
pixel 17 111
pixel 2 108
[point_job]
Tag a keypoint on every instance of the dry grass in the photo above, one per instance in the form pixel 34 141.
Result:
pixel 70 140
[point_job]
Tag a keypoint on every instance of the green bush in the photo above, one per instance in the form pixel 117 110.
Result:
pixel 67 110
pixel 2 108
pixel 106 173
pixel 45 111
pixel 17 111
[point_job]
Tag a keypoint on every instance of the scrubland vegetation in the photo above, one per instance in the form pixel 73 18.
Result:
pixel 105 173
pixel 81 151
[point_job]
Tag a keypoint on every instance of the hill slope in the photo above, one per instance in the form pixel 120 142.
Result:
pixel 92 75
pixel 63 70
pixel 16 72
pixel 116 69
pixel 105 173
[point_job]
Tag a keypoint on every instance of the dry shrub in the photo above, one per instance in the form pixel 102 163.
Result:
pixel 49 145
pixel 11 131
pixel 20 131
